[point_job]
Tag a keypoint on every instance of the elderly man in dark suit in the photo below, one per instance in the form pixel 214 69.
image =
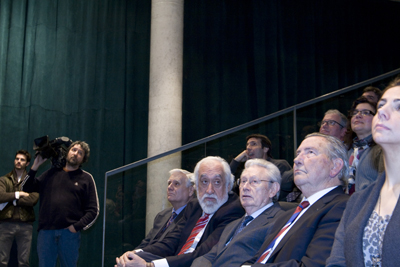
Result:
pixel 203 220
pixel 259 186
pixel 180 190
pixel 304 237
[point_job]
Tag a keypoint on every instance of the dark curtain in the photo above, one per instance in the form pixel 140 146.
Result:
pixel 245 59
pixel 80 69
pixel 77 69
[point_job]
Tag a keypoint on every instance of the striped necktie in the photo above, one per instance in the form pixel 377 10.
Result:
pixel 296 213
pixel 201 223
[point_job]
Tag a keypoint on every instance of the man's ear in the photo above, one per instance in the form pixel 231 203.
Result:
pixel 265 150
pixel 27 164
pixel 275 188
pixel 337 165
pixel 191 190
pixel 343 133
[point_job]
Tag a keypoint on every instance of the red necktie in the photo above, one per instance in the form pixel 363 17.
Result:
pixel 296 213
pixel 196 230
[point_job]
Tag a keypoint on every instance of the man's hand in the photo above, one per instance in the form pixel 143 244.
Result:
pixel 39 160
pixel 242 157
pixel 71 228
pixel 23 194
pixel 130 259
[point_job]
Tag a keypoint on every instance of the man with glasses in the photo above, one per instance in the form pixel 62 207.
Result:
pixel 259 187
pixel 304 236
pixel 334 124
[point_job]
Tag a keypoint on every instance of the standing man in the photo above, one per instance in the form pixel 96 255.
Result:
pixel 68 204
pixel 16 212
pixel 203 221
pixel 241 239
pixel 259 146
pixel 334 124
pixel 304 236
pixel 179 191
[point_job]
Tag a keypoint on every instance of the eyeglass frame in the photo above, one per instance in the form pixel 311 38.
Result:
pixel 330 123
pixel 363 112
pixel 251 183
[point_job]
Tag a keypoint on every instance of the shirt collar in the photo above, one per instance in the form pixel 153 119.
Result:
pixel 316 196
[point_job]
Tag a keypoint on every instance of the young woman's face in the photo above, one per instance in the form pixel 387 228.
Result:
pixel 386 122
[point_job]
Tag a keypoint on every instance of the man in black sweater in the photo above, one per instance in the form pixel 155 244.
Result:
pixel 68 204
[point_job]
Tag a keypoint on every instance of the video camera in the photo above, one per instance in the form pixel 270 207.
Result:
pixel 55 149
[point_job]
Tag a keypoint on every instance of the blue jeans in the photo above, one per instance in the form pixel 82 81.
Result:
pixel 60 243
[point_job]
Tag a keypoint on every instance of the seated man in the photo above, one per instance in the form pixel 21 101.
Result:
pixel 372 93
pixel 334 124
pixel 258 146
pixel 241 239
pixel 304 237
pixel 202 223
pixel 179 191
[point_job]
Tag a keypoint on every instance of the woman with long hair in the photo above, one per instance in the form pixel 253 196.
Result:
pixel 369 232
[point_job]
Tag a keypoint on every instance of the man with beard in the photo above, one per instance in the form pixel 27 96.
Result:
pixel 241 239
pixel 202 224
pixel 68 204
pixel 16 212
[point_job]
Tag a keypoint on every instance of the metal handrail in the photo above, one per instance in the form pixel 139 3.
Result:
pixel 238 128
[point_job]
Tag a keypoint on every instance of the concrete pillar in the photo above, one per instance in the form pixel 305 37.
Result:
pixel 165 100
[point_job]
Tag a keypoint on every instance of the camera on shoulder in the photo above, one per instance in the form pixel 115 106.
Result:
pixel 55 149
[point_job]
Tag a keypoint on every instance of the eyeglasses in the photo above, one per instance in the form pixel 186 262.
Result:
pixel 330 123
pixel 364 112
pixel 252 182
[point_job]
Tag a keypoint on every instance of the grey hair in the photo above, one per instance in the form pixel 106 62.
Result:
pixel 343 118
pixel 228 177
pixel 189 176
pixel 336 150
pixel 273 172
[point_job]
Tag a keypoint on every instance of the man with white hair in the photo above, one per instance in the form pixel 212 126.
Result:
pixel 304 236
pixel 259 185
pixel 203 220
pixel 180 190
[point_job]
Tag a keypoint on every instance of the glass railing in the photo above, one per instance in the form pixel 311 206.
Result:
pixel 125 187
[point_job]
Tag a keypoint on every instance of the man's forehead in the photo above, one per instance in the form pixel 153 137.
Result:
pixel 18 156
pixel 253 170
pixel 332 116
pixel 211 167
pixel 254 139
pixel 78 147
pixel 313 142
pixel 176 176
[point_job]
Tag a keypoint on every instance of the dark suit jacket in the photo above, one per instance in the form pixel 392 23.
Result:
pixel 159 221
pixel 309 241
pixel 244 245
pixel 172 243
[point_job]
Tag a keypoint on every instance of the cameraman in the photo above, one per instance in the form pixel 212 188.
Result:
pixel 68 204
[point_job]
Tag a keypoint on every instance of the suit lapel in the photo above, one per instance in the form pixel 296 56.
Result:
pixel 311 212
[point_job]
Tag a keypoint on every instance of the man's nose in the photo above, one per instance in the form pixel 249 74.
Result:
pixel 210 188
